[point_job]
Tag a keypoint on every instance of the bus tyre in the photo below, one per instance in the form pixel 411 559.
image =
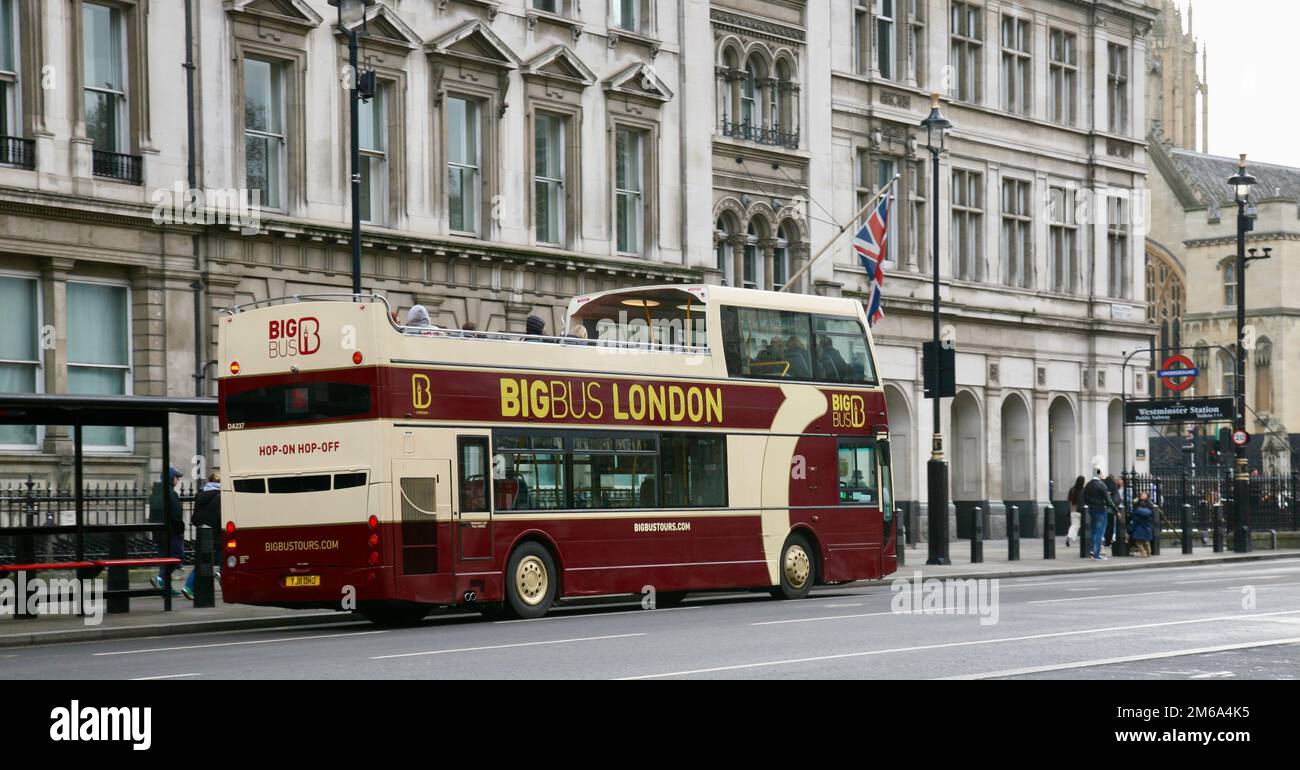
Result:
pixel 394 614
pixel 797 568
pixel 530 581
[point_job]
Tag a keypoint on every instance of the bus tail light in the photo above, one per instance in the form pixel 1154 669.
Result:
pixel 234 367
pixel 374 557
pixel 356 357
pixel 230 528
pixel 373 521
pixel 230 545
pixel 374 539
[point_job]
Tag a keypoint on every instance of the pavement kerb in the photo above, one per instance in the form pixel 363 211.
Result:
pixel 108 633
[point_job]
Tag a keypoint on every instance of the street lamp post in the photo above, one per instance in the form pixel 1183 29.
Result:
pixel 936 128
pixel 352 13
pixel 1241 184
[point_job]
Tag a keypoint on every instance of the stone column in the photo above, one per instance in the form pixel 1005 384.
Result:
pixel 767 247
pixel 54 333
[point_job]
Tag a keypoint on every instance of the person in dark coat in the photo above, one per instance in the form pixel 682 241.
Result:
pixel 175 515
pixel 1099 504
pixel 1142 524
pixel 207 513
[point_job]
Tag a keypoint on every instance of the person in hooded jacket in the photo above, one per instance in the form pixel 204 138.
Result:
pixel 1142 522
pixel 207 513
pixel 1099 503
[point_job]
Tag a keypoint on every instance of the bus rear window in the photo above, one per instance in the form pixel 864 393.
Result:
pixel 299 402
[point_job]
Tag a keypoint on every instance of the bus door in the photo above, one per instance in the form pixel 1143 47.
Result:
pixel 472 512
pixel 422 489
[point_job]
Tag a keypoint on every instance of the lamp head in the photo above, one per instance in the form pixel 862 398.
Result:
pixel 1242 182
pixel 936 125
pixel 351 11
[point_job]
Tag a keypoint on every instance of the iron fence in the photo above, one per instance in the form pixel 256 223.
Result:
pixel 1274 502
pixel 31 505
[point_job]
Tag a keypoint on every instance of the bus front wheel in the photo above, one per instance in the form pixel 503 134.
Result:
pixel 530 581
pixel 797 568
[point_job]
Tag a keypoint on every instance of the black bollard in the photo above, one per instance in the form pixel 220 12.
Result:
pixel 977 536
pixel 1187 527
pixel 1119 543
pixel 1049 532
pixel 1156 529
pixel 1085 532
pixel 1218 527
pixel 1013 533
pixel 203 593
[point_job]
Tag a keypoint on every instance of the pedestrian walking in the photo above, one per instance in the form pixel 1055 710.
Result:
pixel 167 507
pixel 1100 504
pixel 207 513
pixel 1076 499
pixel 1114 489
pixel 1142 524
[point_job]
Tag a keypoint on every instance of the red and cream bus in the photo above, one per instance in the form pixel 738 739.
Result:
pixel 674 439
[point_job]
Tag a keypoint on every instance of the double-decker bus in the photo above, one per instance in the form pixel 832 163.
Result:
pixel 671 439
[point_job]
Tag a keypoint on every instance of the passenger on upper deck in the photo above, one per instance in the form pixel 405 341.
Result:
pixel 418 323
pixel 535 326
pixel 800 364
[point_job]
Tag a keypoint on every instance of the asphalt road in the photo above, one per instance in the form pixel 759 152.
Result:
pixel 1215 621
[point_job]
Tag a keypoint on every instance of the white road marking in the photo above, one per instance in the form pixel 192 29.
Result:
pixel 504 646
pixel 844 604
pixel 1226 579
pixel 972 643
pixel 236 644
pixel 1130 659
pixel 592 615
pixel 1214 675
pixel 167 676
pixel 827 617
pixel 1108 596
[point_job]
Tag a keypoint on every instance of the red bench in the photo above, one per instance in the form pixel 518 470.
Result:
pixel 119 598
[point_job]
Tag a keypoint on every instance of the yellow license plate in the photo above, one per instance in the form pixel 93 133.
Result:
pixel 302 581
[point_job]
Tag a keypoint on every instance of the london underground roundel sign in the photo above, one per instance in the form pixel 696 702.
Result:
pixel 1178 372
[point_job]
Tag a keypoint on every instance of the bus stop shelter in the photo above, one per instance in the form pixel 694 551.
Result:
pixel 78 412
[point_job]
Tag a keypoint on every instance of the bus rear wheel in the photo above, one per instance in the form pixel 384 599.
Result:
pixel 530 581
pixel 797 567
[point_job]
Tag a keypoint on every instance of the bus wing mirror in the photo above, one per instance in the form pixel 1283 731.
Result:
pixel 883 448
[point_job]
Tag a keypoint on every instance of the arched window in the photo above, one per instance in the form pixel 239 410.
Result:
pixel 1229 269
pixel 750 116
pixel 1264 376
pixel 751 264
pixel 781 257
pixel 725 235
pixel 728 88
pixel 1226 374
pixel 785 128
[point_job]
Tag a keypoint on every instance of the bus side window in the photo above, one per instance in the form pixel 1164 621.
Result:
pixel 859 482
pixel 473 478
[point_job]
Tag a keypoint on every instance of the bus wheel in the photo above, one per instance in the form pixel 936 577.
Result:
pixel 530 581
pixel 394 614
pixel 798 569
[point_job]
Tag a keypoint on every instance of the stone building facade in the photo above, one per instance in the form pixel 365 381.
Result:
pixel 521 152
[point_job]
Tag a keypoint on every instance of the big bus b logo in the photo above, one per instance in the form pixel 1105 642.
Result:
pixel 293 337
pixel 421 391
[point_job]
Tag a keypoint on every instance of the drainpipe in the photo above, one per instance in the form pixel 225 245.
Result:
pixel 199 287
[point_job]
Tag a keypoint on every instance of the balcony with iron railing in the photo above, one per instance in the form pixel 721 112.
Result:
pixel 17 151
pixel 752 133
pixel 118 166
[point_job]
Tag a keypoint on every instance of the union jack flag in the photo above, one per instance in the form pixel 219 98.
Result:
pixel 871 245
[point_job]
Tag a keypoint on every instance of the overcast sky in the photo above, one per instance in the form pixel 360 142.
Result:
pixel 1254 93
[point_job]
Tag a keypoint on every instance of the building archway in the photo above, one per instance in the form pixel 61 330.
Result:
pixel 1115 459
pixel 966 460
pixel 900 449
pixel 1062 452
pixel 1018 459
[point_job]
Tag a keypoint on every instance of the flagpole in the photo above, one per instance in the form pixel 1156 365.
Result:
pixel 813 259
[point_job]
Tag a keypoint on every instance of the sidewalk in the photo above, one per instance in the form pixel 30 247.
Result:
pixel 148 619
